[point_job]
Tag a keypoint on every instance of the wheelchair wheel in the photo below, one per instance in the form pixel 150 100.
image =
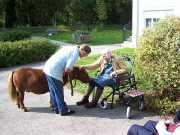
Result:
pixel 103 103
pixel 128 112
pixel 141 105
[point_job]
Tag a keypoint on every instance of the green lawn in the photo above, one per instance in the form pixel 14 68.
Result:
pixel 108 36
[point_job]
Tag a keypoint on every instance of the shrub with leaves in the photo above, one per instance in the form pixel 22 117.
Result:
pixel 27 51
pixel 158 55
pixel 14 35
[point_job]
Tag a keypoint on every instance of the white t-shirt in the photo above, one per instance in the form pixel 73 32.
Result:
pixel 56 64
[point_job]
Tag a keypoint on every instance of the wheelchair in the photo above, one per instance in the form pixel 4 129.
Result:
pixel 125 87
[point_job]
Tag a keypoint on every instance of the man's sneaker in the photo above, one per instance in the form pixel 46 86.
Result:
pixel 68 112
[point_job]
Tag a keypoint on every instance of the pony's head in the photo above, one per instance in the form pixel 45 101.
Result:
pixel 80 74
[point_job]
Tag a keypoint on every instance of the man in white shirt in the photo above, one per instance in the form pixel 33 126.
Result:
pixel 62 61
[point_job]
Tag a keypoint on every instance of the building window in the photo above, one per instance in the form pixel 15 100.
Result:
pixel 150 21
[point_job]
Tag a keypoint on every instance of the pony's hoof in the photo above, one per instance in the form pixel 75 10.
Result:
pixel 18 105
pixel 25 110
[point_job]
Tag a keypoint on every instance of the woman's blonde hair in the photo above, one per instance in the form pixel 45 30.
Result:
pixel 84 48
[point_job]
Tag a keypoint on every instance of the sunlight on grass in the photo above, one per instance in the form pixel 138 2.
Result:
pixel 98 38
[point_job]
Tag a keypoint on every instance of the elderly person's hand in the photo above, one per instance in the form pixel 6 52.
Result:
pixel 169 122
pixel 113 74
pixel 80 67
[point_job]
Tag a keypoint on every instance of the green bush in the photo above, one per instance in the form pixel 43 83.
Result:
pixel 27 51
pixel 158 61
pixel 14 35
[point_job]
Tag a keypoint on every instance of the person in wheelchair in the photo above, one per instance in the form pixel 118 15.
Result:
pixel 110 66
pixel 157 128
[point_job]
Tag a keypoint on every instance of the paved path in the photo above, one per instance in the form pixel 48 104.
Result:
pixel 96 49
pixel 41 121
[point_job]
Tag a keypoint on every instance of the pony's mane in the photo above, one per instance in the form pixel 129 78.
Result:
pixel 77 69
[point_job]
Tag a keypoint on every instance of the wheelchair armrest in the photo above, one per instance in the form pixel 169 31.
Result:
pixel 125 77
pixel 126 58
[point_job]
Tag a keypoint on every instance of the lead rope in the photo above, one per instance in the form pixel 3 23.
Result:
pixel 72 91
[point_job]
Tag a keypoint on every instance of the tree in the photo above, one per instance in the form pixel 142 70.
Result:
pixel 101 11
pixel 124 10
pixel 10 14
pixel 51 12
pixel 2 6
pixel 48 10
pixel 22 12
pixel 82 10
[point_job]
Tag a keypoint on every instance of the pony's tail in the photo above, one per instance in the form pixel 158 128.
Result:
pixel 11 88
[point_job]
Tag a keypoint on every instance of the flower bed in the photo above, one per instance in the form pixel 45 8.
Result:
pixel 80 38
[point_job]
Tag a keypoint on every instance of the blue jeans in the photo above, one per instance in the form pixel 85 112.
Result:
pixel 177 117
pixel 148 129
pixel 102 81
pixel 57 94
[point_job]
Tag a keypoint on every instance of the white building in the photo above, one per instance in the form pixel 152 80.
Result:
pixel 145 12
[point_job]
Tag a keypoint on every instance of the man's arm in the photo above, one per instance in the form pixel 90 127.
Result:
pixel 68 70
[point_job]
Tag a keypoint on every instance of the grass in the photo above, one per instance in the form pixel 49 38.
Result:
pixel 98 38
pixel 110 35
